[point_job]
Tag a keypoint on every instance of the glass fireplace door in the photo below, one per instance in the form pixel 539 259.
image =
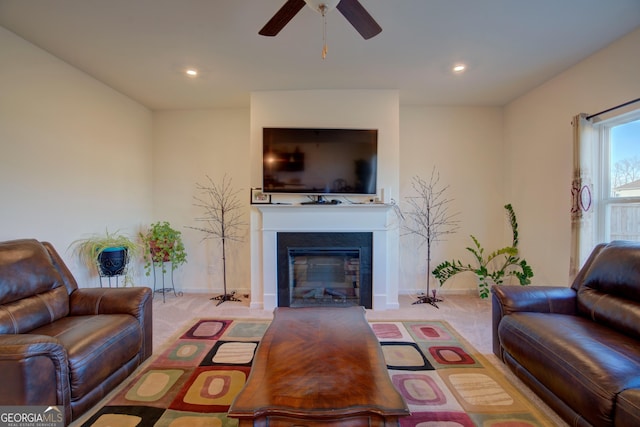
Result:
pixel 324 276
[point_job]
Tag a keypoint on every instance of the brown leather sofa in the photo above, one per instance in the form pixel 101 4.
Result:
pixel 59 344
pixel 578 347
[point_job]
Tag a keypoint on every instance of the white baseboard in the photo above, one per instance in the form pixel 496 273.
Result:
pixel 240 292
pixel 441 291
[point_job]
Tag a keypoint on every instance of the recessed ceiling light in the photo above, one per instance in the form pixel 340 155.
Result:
pixel 192 72
pixel 459 68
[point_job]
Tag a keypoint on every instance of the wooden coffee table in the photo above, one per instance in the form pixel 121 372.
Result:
pixel 319 366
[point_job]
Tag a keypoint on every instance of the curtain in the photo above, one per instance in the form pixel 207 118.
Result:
pixel 584 183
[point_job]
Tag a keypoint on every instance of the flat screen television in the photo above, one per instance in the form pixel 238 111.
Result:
pixel 319 161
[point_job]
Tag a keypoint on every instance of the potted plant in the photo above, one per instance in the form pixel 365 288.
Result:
pixel 162 244
pixel 106 254
pixel 492 268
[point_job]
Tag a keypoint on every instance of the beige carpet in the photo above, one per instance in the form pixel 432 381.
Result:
pixel 469 315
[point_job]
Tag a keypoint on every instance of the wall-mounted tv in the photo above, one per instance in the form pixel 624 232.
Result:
pixel 319 161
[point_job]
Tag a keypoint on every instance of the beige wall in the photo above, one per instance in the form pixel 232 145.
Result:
pixel 188 147
pixel 465 146
pixel 61 131
pixel 75 155
pixel 538 148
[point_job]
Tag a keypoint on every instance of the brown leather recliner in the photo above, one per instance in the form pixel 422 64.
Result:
pixel 63 345
pixel 578 347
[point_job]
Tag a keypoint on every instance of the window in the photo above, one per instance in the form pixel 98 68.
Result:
pixel 619 199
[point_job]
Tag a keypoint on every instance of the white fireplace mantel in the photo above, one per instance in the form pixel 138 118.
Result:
pixel 378 219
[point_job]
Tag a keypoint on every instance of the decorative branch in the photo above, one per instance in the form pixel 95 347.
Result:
pixel 429 217
pixel 222 219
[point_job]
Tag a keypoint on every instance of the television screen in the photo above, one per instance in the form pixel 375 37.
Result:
pixel 319 161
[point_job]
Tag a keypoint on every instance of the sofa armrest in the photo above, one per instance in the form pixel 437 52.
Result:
pixel 134 301
pixel 539 299
pixel 506 300
pixel 35 371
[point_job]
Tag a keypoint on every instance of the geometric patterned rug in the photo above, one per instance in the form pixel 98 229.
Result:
pixel 443 380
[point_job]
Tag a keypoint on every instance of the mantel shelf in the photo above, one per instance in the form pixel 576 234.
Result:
pixel 273 206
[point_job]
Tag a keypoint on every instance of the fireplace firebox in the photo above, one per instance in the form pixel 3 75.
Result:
pixel 324 269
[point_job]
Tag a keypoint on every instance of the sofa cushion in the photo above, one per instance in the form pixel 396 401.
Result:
pixel 584 363
pixel 610 291
pixel 628 408
pixel 25 269
pixel 97 346
pixel 24 315
pixel 32 293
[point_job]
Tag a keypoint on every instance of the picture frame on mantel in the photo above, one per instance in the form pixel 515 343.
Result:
pixel 259 198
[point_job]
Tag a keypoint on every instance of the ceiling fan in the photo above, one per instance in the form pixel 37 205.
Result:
pixel 352 10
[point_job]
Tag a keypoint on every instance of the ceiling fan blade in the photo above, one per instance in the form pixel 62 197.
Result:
pixel 282 17
pixel 358 16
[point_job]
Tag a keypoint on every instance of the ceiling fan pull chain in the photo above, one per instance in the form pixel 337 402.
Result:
pixel 323 10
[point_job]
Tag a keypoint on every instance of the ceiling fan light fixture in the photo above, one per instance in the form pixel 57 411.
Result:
pixel 322 6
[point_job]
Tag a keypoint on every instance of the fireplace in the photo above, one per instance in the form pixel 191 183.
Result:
pixel 324 269
pixel 376 220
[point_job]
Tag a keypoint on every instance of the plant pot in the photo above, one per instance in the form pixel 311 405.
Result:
pixel 156 252
pixel 112 261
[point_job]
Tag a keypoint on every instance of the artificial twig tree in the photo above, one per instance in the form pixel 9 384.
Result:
pixel 429 219
pixel 222 220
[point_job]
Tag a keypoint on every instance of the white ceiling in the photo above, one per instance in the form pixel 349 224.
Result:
pixel 142 47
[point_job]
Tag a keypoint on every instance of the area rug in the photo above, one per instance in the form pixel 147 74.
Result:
pixel 443 380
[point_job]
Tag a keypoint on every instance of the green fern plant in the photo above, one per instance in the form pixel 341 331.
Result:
pixel 494 267
pixel 88 250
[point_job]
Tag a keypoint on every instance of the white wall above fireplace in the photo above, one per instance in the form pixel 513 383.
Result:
pixel 379 219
